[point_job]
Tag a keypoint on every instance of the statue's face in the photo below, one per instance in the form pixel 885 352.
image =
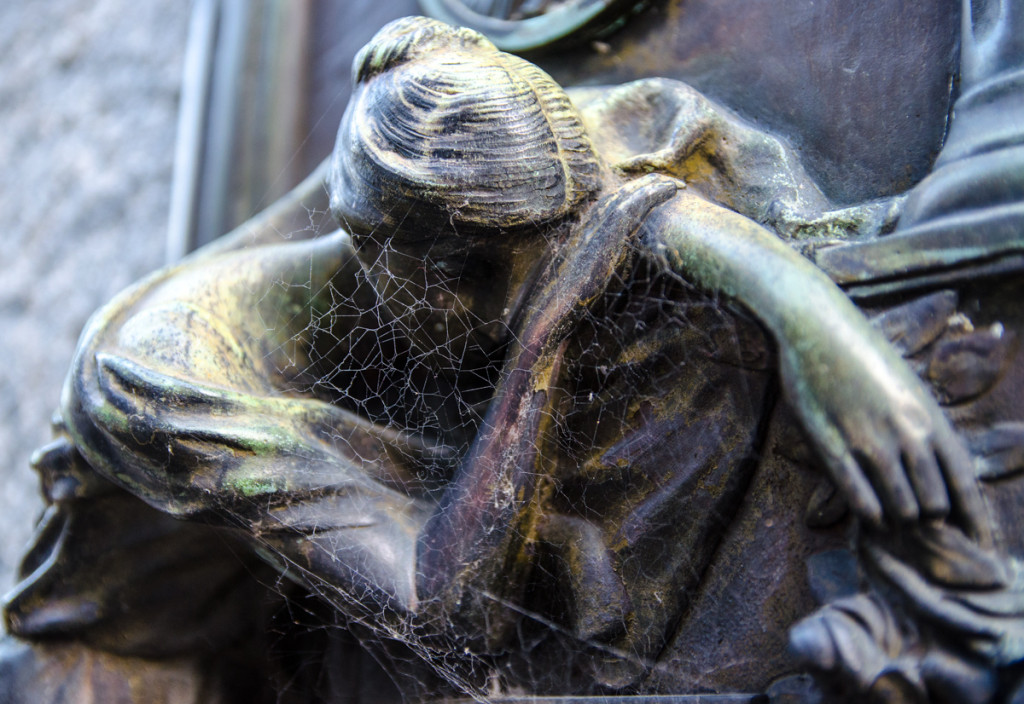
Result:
pixel 454 162
pixel 457 298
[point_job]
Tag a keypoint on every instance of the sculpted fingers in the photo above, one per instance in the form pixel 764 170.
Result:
pixel 592 256
pixel 964 493
pixel 888 477
pixel 616 219
pixel 126 401
pixel 882 462
pixel 624 211
pixel 941 470
pixel 926 478
pixel 845 470
pixel 137 384
pixel 918 469
pixel 174 421
pixel 851 480
pixel 915 428
pixel 636 198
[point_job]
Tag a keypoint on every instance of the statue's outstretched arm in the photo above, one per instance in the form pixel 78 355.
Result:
pixel 180 393
pixel 882 437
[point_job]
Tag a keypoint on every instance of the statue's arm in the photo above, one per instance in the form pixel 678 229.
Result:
pixel 176 394
pixel 660 125
pixel 881 435
pixel 469 557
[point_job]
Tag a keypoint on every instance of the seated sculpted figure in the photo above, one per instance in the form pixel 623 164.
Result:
pixel 529 345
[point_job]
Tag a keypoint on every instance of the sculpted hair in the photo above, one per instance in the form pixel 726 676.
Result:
pixel 444 129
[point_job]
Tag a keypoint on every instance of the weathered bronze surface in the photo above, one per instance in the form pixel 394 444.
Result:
pixel 599 392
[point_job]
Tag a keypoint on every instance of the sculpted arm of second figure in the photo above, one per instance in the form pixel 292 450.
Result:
pixel 879 432
pixel 882 437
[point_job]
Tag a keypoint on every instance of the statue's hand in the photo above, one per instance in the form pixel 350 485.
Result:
pixel 884 440
pixel 829 225
pixel 205 445
pixel 728 160
pixel 591 257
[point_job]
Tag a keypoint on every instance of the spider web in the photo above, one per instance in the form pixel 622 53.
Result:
pixel 641 380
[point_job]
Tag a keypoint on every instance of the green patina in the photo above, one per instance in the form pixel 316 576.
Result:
pixel 252 486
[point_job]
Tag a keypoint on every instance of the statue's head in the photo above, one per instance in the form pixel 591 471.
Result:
pixel 444 131
pixel 454 163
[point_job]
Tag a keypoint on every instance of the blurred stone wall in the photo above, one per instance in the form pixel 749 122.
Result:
pixel 88 111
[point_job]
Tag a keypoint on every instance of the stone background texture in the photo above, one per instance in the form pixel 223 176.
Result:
pixel 89 94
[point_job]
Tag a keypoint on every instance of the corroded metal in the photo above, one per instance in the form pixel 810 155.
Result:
pixel 518 25
pixel 576 405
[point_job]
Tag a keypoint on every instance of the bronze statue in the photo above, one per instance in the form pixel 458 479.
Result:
pixel 521 400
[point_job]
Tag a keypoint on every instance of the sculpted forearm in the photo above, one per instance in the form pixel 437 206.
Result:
pixel 880 435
